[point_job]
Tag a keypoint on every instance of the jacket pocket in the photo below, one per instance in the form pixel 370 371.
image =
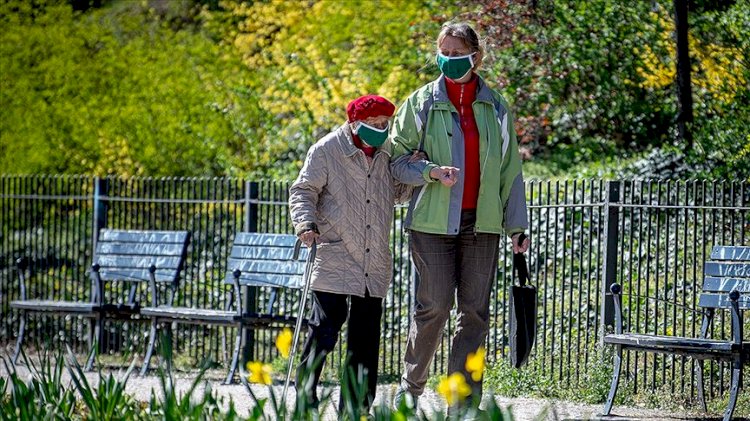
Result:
pixel 328 253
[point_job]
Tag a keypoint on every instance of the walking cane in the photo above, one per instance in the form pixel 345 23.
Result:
pixel 301 312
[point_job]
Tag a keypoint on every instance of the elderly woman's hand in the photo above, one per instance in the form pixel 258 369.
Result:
pixel 308 237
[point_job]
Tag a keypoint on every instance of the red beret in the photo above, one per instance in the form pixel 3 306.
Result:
pixel 369 106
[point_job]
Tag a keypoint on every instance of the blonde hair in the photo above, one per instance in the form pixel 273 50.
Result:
pixel 465 33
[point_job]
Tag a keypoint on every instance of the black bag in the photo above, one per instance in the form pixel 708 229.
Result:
pixel 522 312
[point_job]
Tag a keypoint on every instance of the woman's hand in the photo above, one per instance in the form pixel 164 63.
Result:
pixel 520 248
pixel 308 237
pixel 446 175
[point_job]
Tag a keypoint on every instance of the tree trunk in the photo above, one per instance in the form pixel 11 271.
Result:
pixel 684 92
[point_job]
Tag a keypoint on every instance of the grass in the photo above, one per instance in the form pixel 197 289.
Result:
pixel 593 387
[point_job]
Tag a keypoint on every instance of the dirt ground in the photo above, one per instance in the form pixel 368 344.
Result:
pixel 522 408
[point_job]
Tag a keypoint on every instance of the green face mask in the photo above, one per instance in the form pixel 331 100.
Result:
pixel 371 135
pixel 455 67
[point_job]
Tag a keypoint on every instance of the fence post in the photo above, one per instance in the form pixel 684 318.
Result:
pixel 609 267
pixel 101 187
pixel 249 294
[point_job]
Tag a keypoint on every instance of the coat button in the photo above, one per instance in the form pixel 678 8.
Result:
pixel 367 250
pixel 368 200
pixel 367 275
pixel 368 226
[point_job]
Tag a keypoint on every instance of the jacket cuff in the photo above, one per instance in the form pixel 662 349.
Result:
pixel 512 231
pixel 306 226
pixel 426 173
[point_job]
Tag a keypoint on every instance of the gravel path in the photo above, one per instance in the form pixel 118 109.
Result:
pixel 522 408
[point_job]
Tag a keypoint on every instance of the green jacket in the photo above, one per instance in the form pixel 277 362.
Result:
pixel 434 208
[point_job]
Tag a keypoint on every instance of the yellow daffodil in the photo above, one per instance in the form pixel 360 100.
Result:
pixel 454 388
pixel 259 372
pixel 284 342
pixel 475 363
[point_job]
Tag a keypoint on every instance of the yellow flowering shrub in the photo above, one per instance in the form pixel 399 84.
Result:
pixel 718 70
pixel 310 58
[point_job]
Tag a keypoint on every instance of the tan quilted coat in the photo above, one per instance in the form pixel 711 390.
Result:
pixel 350 200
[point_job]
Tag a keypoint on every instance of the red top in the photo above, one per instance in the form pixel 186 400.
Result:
pixel 462 95
pixel 368 150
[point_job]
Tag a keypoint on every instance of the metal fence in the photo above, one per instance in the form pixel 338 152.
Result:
pixel 650 236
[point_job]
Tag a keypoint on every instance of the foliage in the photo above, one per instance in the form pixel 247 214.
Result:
pixel 593 82
pixel 116 91
pixel 45 396
pixel 209 87
pixel 106 401
pixel 310 58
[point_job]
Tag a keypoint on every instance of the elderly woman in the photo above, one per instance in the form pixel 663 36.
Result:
pixel 471 192
pixel 343 199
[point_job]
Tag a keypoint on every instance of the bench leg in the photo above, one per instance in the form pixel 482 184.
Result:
pixel 150 349
pixel 224 343
pixel 735 389
pixel 235 355
pixel 615 381
pixel 699 378
pixel 19 342
pixel 94 342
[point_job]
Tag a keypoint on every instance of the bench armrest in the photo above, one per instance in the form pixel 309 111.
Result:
pixel 98 285
pixel 616 289
pixel 152 285
pixel 237 291
pixel 21 277
pixel 734 297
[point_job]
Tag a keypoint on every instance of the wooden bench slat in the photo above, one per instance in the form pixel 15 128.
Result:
pixel 266 266
pixel 256 239
pixel 137 249
pixel 727 269
pixel 189 313
pixel 135 236
pixel 266 253
pixel 670 342
pixel 139 262
pixel 267 280
pixel 268 320
pixel 730 253
pixel 722 301
pixel 137 275
pixel 714 284
pixel 81 307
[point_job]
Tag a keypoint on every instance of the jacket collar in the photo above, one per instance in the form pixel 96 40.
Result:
pixel 346 143
pixel 440 92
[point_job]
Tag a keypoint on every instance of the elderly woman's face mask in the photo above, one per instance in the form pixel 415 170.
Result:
pixel 373 136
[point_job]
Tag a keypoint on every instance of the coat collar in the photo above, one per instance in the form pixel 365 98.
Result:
pixel 346 143
pixel 440 92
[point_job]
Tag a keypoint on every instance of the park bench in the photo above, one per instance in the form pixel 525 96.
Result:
pixel 119 256
pixel 256 260
pixel 726 287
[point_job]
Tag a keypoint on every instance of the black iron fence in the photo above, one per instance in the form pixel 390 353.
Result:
pixel 650 236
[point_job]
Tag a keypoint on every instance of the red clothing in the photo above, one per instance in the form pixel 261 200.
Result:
pixel 462 96
pixel 368 150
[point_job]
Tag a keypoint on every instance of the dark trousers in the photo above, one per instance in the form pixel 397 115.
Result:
pixel 363 339
pixel 459 267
